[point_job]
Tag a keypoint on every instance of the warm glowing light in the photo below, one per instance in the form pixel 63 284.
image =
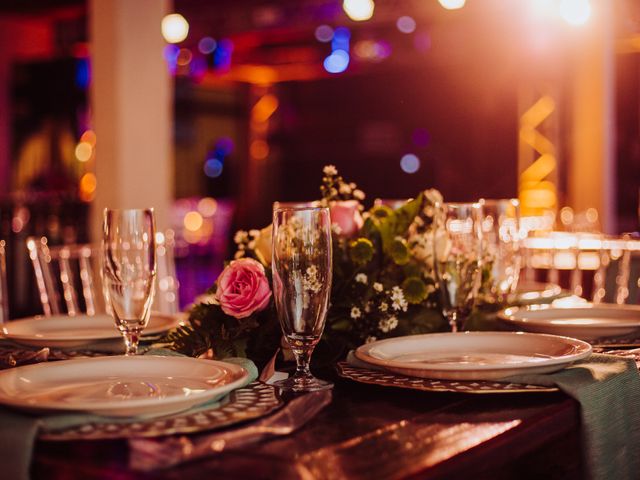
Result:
pixel 324 33
pixel 575 12
pixel 264 108
pixel 88 184
pixel 193 221
pixel 406 24
pixel 337 62
pixel 84 151
pixel 592 215
pixel 566 215
pixel 359 10
pixel 452 4
pixel 175 28
pixel 410 163
pixel 207 206
pixel 184 57
pixel 259 149
pixel 89 137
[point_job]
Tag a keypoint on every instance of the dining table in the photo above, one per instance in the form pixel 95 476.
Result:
pixel 370 431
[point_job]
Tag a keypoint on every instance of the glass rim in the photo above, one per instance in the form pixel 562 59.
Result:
pixel 297 209
pixel 459 204
pixel 495 201
pixel 125 210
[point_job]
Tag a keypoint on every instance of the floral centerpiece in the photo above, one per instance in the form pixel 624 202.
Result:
pixel 383 282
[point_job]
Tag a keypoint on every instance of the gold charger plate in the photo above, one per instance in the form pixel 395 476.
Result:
pixel 387 379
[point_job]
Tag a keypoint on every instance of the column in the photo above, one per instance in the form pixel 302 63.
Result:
pixel 132 97
pixel 591 175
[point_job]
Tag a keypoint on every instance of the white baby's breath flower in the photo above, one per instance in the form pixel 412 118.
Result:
pixel 387 324
pixel 358 194
pixel 254 233
pixel 345 189
pixel 355 313
pixel 361 278
pixel 384 306
pixel 335 228
pixel 370 339
pixel 330 170
pixel 377 286
pixel 398 300
pixel 251 245
pixel 239 254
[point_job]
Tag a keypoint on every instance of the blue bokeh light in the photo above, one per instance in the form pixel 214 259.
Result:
pixel 410 163
pixel 341 37
pixel 213 168
pixel 206 45
pixel 337 62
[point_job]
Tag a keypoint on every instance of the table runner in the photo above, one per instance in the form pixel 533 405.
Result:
pixel 608 390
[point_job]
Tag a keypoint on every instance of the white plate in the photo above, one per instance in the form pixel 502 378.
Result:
pixel 473 355
pixel 534 292
pixel 65 331
pixel 586 322
pixel 118 386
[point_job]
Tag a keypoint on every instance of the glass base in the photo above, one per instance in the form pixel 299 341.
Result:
pixel 303 384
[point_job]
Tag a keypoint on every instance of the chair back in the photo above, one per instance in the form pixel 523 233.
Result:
pixel 4 292
pixel 606 269
pixel 68 277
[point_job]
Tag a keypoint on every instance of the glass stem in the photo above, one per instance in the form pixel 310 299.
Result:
pixel 131 340
pixel 453 318
pixel 303 359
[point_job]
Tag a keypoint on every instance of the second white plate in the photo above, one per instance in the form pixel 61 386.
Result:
pixel 473 355
pixel 587 322
pixel 119 386
pixel 64 331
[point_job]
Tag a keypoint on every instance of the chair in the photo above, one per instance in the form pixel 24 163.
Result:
pixel 607 268
pixel 4 292
pixel 70 273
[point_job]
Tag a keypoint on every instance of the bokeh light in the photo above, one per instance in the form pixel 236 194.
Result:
pixel 410 163
pixel 184 57
pixel 422 41
pixel 358 10
pixel 175 28
pixel 213 168
pixel 88 184
pixel 206 45
pixel 340 40
pixel 452 4
pixel 575 12
pixel 337 62
pixel 83 152
pixel 406 24
pixel 89 136
pixel 259 149
pixel 324 33
pixel 207 206
pixel 192 221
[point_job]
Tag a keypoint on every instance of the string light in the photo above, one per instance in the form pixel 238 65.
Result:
pixel 410 163
pixel 452 4
pixel 406 24
pixel 175 28
pixel 337 62
pixel 575 12
pixel 358 10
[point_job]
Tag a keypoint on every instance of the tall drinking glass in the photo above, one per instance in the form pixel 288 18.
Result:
pixel 501 249
pixel 457 259
pixel 301 267
pixel 129 270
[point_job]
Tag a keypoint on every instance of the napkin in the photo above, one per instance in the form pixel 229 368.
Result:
pixel 18 431
pixel 608 390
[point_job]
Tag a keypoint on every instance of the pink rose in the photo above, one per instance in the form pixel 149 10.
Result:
pixel 243 288
pixel 346 216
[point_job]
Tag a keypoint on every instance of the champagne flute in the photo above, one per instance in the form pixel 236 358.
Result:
pixel 457 259
pixel 129 270
pixel 501 249
pixel 301 265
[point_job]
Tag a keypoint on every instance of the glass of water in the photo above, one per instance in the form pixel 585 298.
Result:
pixel 301 264
pixel 457 259
pixel 129 270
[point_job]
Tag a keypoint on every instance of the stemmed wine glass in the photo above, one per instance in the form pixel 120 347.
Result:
pixel 501 249
pixel 457 259
pixel 301 267
pixel 129 270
